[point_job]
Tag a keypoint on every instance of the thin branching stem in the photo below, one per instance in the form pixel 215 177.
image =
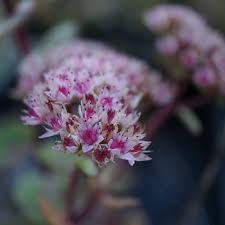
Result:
pixel 163 114
pixel 89 207
pixel 17 16
pixel 70 194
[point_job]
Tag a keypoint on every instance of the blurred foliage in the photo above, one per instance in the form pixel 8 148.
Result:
pixel 87 166
pixel 32 187
pixel 8 57
pixel 190 120
pixel 27 192
pixel 56 161
pixel 63 164
pixel 60 33
pixel 12 133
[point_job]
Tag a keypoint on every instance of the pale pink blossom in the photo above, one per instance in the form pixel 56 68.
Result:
pixel 167 45
pixel 199 50
pixel 189 58
pixel 205 77
pixel 30 69
pixel 166 17
pixel 89 100
pixel 162 91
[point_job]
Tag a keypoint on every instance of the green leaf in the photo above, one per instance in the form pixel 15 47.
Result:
pixel 61 33
pixel 27 192
pixel 55 186
pixel 59 162
pixel 63 163
pixel 12 133
pixel 87 166
pixel 190 120
pixel 9 58
pixel 29 189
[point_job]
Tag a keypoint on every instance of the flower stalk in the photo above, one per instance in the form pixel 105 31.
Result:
pixel 17 16
pixel 70 194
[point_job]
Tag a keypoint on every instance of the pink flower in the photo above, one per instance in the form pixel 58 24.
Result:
pixel 201 49
pixel 102 155
pixel 89 136
pixel 30 70
pixel 162 92
pixel 119 144
pixel 167 45
pixel 167 17
pixel 205 77
pixel 88 96
pixel 189 58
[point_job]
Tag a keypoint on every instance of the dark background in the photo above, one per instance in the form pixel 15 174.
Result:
pixel 167 183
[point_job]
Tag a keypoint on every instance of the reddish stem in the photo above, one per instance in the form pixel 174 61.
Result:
pixel 21 36
pixel 22 40
pixel 90 206
pixel 70 193
pixel 164 113
pixel 158 119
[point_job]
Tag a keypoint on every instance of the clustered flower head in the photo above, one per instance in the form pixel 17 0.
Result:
pixel 140 78
pixel 188 43
pixel 88 94
pixel 37 63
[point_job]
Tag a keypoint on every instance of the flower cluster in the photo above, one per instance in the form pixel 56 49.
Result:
pixel 140 78
pixel 36 64
pixel 188 43
pixel 87 94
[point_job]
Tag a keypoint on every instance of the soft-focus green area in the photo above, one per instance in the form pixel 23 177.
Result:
pixel 63 164
pixel 12 135
pixel 34 184
pixel 27 192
